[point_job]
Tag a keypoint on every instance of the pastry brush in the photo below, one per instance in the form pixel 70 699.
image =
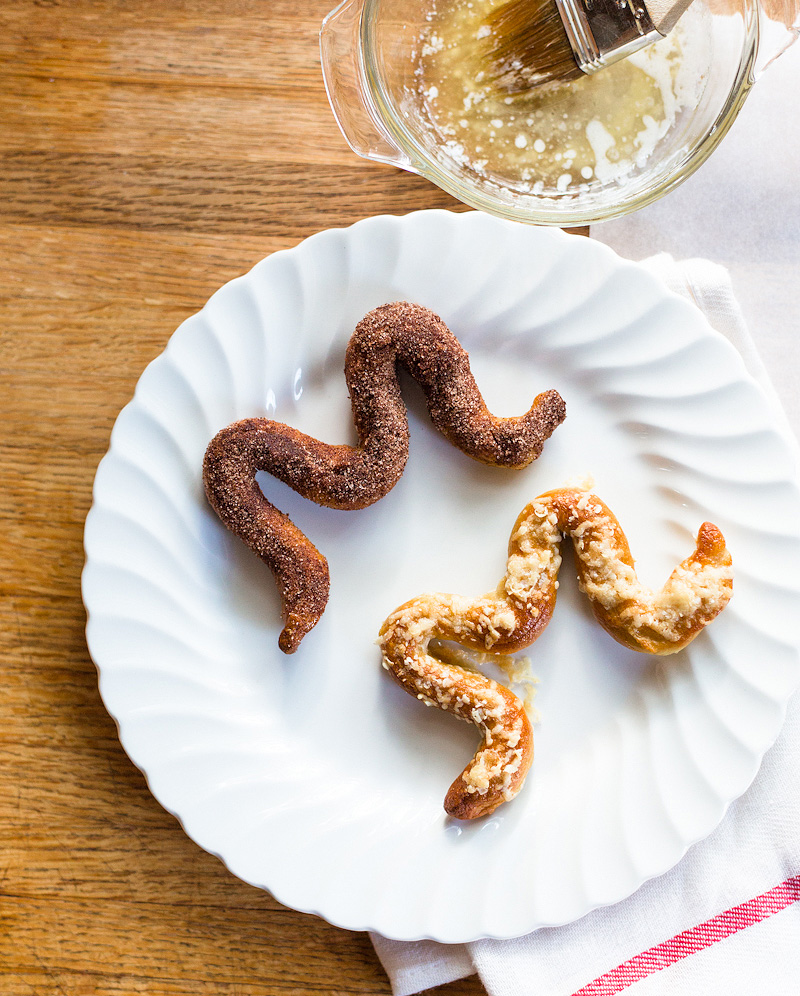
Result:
pixel 535 42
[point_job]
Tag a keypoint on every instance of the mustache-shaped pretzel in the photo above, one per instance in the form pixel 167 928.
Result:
pixel 348 477
pixel 515 614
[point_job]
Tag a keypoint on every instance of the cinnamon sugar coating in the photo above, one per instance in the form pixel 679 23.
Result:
pixel 347 477
pixel 515 614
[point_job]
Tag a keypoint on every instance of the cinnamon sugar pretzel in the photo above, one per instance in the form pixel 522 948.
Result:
pixel 515 614
pixel 347 477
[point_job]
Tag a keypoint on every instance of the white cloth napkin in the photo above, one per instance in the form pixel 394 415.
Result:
pixel 679 934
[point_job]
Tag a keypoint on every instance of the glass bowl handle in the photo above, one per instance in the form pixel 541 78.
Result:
pixel 349 97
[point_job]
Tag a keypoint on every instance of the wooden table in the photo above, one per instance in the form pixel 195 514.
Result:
pixel 151 151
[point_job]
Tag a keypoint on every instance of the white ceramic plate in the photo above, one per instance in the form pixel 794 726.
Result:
pixel 314 776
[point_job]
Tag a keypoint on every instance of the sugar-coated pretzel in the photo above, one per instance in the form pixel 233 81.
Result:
pixel 515 614
pixel 353 477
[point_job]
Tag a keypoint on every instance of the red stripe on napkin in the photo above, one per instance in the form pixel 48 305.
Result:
pixel 695 939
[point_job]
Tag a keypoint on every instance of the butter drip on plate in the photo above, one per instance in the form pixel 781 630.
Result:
pixel 562 138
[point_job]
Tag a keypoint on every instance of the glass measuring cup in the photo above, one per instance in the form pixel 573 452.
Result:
pixel 369 52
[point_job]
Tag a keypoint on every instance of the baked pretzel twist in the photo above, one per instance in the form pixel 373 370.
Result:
pixel 352 477
pixel 515 614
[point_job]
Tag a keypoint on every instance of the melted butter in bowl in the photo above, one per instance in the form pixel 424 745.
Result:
pixel 561 140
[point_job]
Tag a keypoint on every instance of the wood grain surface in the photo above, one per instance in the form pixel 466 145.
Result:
pixel 151 151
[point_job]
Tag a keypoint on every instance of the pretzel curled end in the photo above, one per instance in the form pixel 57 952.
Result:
pixel 496 772
pixel 515 614
pixel 652 622
pixel 353 477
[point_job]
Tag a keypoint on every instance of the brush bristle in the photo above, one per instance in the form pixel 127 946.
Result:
pixel 528 47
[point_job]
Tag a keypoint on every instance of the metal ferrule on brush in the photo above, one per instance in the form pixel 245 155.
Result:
pixel 603 31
